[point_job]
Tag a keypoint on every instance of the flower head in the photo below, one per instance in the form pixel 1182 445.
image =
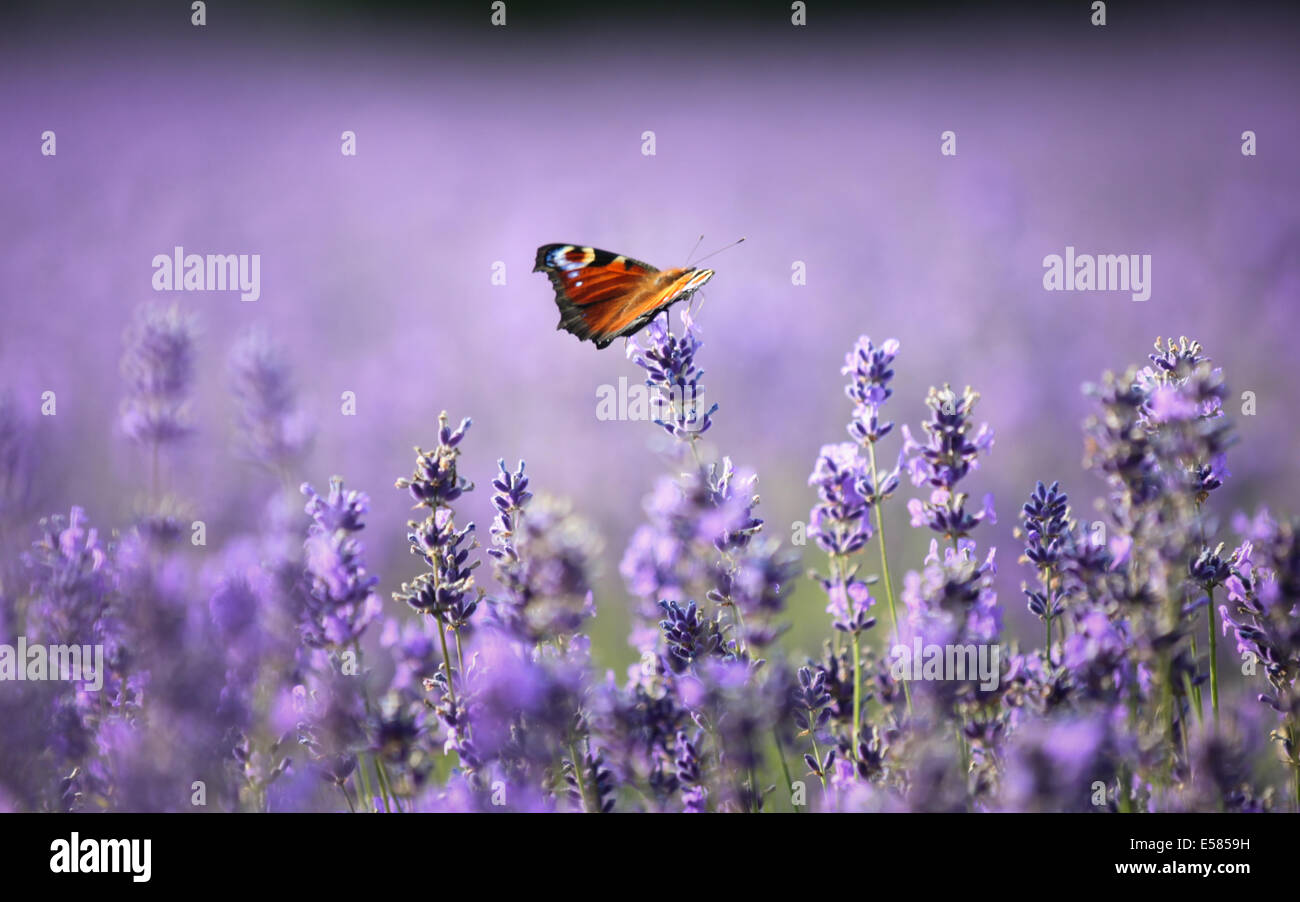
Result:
pixel 159 370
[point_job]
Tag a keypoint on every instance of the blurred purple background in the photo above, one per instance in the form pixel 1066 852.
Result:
pixel 376 268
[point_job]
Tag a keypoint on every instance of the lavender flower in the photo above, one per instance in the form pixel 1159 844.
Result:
pixel 691 637
pixel 669 362
pixel 1046 533
pixel 637 724
pixel 467 711
pixel 542 555
pixel 159 370
pixel 17 465
pixel 1155 431
pixel 695 523
pixel 950 453
pixel 812 714
pixel 1263 591
pixel 1055 765
pixel 869 388
pixel 591 784
pixel 342 602
pixel 952 600
pixel 839 523
pixel 435 482
pixel 446 590
pixel 273 431
pixel 695 794
pixel 71 578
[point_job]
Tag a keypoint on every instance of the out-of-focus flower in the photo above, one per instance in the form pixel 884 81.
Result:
pixel 71 578
pixel 159 370
pixel 272 430
pixel 543 554
pixel 839 523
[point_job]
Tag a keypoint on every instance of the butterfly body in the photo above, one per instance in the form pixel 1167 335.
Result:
pixel 603 296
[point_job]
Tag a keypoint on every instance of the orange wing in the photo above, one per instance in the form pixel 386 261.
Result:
pixel 603 296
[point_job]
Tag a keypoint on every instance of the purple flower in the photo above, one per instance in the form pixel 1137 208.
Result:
pixel 159 370
pixel 669 363
pixel 695 795
pixel 1264 613
pixel 690 635
pixel 447 589
pixel 435 482
pixel 272 431
pixel 850 602
pixel 1046 531
pixel 812 706
pixel 694 522
pixel 341 602
pixel 542 554
pixel 18 456
pixel 952 450
pixel 1054 765
pixel 953 602
pixel 868 388
pixel 71 578
pixel 1096 657
pixel 839 522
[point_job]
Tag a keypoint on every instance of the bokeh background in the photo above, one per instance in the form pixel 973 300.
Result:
pixel 476 144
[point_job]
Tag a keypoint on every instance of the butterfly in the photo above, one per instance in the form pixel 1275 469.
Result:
pixel 604 296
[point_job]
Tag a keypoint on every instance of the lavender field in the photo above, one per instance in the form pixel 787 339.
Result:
pixel 371 538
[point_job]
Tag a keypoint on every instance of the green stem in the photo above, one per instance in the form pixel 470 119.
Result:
pixel 857 695
pixel 460 661
pixel 446 658
pixel 695 452
pixel 1045 574
pixel 577 774
pixel 386 783
pixel 383 787
pixel 1295 761
pixel 964 748
pixel 1189 689
pixel 1214 660
pixel 740 627
pixel 1196 690
pixel 817 753
pixel 884 567
pixel 785 768
pixel 364 783
pixel 1122 799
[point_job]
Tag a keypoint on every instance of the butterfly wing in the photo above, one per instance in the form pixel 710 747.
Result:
pixel 603 296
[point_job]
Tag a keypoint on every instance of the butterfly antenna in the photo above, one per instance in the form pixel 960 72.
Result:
pixel 694 249
pixel 720 250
